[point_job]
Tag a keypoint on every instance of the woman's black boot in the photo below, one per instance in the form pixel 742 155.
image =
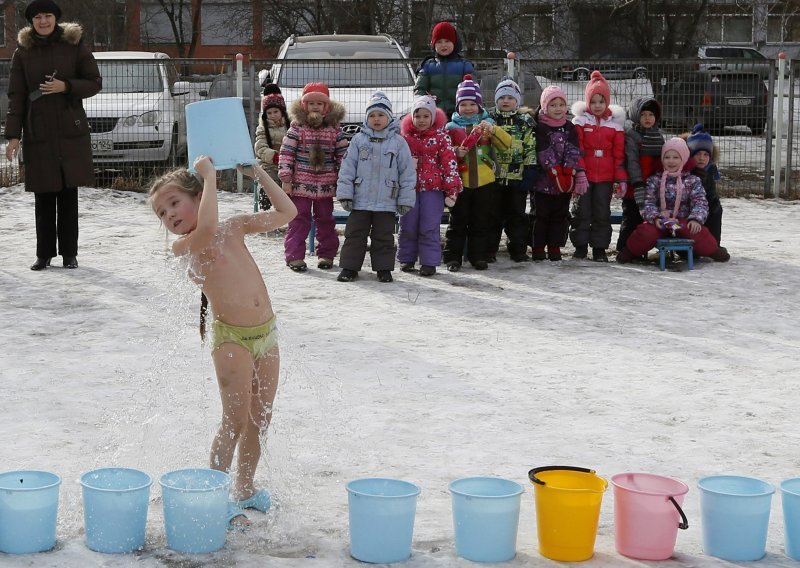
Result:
pixel 40 264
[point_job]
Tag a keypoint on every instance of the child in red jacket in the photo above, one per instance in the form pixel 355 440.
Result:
pixel 601 132
pixel 438 184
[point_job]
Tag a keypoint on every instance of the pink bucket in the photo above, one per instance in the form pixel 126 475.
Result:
pixel 647 514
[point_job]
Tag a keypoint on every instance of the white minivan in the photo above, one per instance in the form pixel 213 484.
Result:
pixel 138 116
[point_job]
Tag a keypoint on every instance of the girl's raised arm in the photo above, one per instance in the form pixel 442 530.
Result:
pixel 207 214
pixel 283 208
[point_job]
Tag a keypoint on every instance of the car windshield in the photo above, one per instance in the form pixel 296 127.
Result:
pixel 336 71
pixel 130 77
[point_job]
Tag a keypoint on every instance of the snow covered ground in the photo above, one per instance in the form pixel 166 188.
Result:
pixel 616 368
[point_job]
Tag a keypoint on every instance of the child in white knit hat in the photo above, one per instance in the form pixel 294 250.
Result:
pixel 438 184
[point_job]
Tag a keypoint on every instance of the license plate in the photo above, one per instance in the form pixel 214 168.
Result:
pixel 102 145
pixel 740 102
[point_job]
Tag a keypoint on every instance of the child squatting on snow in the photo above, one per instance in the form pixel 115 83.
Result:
pixel 675 204
pixel 244 344
pixel 376 181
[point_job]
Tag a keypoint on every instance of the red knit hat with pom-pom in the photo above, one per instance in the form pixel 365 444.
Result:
pixel 597 85
pixel 316 92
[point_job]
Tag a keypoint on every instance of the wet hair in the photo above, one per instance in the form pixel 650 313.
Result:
pixel 181 178
pixel 188 183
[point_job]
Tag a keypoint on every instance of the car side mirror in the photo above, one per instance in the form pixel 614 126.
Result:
pixel 181 88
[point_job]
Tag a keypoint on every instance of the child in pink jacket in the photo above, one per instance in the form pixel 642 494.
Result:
pixel 308 166
pixel 601 132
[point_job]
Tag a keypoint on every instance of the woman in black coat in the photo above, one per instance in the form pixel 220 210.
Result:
pixel 52 71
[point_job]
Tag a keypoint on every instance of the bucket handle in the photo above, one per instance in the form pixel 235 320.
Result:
pixel 684 524
pixel 532 473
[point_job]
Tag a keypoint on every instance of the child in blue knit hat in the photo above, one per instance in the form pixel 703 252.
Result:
pixel 515 168
pixel 706 156
pixel 377 180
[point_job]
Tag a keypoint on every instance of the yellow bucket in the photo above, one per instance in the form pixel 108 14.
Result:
pixel 567 510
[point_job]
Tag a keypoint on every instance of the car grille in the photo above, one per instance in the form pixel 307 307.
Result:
pixel 351 129
pixel 102 124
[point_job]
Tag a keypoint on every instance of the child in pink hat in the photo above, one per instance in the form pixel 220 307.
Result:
pixel 558 177
pixel 675 205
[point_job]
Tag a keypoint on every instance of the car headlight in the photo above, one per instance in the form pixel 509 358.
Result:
pixel 130 120
pixel 150 118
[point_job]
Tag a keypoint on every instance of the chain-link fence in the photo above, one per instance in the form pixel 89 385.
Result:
pixel 139 130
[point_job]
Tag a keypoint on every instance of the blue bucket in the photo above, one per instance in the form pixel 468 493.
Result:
pixel 217 128
pixel 115 503
pixel 195 509
pixel 790 498
pixel 381 519
pixel 28 511
pixel 486 518
pixel 735 513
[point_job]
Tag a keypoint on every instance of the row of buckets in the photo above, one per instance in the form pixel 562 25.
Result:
pixel 115 502
pixel 647 513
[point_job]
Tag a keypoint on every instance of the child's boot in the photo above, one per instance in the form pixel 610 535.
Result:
pixel 539 254
pixel 554 253
pixel 721 255
pixel 297 265
pixel 599 255
pixel 325 263
pixel 385 276
pixel 581 251
pixel 347 275
pixel 427 270
pixel 407 267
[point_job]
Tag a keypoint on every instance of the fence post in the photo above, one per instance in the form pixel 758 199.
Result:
pixel 510 68
pixel 239 57
pixel 776 179
pixel 787 180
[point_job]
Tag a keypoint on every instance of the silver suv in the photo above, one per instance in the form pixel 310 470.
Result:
pixel 733 58
pixel 353 67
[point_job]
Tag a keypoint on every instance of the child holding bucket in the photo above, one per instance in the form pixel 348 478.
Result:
pixel 244 344
pixel 308 165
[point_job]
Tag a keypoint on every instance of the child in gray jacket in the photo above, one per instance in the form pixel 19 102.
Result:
pixel 377 180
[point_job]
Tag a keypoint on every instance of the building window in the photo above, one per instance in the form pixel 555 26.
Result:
pixel 783 28
pixel 537 25
pixel 227 23
pixel 156 24
pixel 725 25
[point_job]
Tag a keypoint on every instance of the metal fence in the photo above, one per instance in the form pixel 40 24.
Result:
pixel 139 131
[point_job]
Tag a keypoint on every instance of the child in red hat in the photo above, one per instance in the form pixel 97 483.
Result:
pixel 439 74
pixel 601 131
pixel 308 166
pixel 272 127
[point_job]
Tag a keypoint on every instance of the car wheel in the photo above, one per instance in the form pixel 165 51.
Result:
pixel 640 74
pixel 580 75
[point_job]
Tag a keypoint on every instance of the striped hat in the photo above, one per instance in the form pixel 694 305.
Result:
pixel 469 90
pixel 380 102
